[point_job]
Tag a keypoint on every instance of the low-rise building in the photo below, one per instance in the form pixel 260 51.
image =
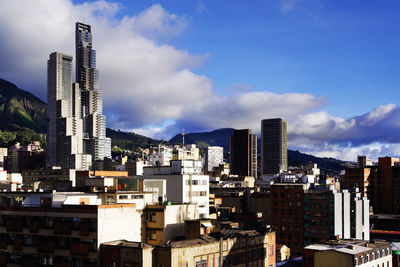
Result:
pixel 233 247
pixel 163 223
pixel 348 253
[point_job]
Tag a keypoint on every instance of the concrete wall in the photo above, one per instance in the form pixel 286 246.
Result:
pixel 120 221
pixel 174 219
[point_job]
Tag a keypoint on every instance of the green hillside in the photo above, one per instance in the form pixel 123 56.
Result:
pixel 20 109
pixel 131 141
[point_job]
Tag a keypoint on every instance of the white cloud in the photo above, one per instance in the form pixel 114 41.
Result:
pixel 147 82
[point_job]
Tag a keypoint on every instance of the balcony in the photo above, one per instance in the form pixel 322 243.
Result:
pixel 14 225
pixel 62 228
pixel 3 260
pixel 34 226
pixel 18 242
pixel 46 246
pixel 81 249
pixel 3 243
pixel 84 229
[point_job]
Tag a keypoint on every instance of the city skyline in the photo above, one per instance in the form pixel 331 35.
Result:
pixel 161 70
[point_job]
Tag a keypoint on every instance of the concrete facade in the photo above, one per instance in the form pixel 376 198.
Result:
pixel 213 157
pixel 65 136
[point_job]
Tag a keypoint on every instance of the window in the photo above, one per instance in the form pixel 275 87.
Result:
pixel 271 250
pixel 152 235
pixel 152 216
pixel 123 197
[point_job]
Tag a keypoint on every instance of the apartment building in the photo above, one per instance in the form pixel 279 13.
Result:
pixel 185 183
pixel 286 211
pixel 68 235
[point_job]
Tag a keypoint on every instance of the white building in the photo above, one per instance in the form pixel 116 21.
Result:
pixel 213 157
pixel 160 156
pixel 185 183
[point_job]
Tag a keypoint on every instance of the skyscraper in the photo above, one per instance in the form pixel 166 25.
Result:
pixel 273 146
pixel 65 143
pixel 243 154
pixel 94 122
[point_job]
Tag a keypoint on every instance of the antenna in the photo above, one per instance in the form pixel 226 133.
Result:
pixel 183 137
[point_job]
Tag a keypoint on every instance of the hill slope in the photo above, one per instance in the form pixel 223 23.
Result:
pixel 131 141
pixel 20 109
pixel 220 137
pixel 22 115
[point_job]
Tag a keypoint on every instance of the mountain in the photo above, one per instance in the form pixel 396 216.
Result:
pixel 220 137
pixel 131 141
pixel 23 117
pixel 21 109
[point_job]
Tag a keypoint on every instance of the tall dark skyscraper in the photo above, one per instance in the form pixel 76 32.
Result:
pixel 94 122
pixel 273 146
pixel 243 154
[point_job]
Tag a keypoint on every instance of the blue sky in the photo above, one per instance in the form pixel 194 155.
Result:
pixel 329 67
pixel 346 51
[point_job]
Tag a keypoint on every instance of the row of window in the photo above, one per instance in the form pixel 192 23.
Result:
pixel 196 193
pixel 130 196
pixel 197 182
pixel 46 222
pixel 34 241
pixel 373 256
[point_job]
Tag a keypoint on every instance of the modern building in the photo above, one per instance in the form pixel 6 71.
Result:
pixel 331 214
pixel 186 183
pixel 243 153
pixel 273 146
pixel 304 214
pixel 213 157
pixel 348 253
pixel 94 122
pixel 65 136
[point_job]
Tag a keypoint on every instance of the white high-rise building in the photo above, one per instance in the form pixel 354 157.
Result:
pixel 94 122
pixel 65 140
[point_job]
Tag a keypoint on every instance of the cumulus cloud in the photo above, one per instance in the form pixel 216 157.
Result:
pixel 379 125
